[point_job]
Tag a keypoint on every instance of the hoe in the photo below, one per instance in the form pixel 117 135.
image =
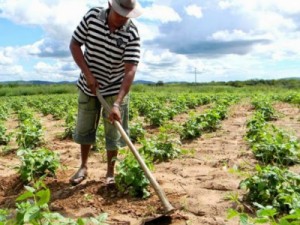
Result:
pixel 168 208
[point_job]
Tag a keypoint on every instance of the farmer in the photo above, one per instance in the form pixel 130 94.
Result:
pixel 109 63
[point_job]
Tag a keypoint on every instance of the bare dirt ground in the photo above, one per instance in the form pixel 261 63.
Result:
pixel 289 118
pixel 196 185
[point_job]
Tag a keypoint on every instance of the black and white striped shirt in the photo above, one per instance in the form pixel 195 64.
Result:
pixel 105 52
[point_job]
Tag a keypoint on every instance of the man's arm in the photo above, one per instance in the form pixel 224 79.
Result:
pixel 130 70
pixel 75 48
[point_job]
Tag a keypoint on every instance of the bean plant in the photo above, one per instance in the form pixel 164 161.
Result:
pixel 37 163
pixel 273 186
pixel 32 207
pixel 131 179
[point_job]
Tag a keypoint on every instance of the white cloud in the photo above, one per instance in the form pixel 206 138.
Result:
pixel 57 70
pixel 51 16
pixel 4 59
pixel 24 12
pixel 225 35
pixel 285 6
pixel 147 31
pixel 163 65
pixel 162 57
pixel 42 67
pixel 12 72
pixel 281 49
pixel 160 13
pixel 194 10
pixel 224 4
pixel 271 21
pixel 10 55
pixel 52 66
pixel 167 24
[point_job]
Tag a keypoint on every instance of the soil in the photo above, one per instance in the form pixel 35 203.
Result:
pixel 197 185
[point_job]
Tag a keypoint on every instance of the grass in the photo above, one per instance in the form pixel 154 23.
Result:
pixel 205 88
pixel 44 89
pixel 23 90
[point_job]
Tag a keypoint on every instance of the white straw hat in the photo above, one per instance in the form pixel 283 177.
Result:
pixel 126 8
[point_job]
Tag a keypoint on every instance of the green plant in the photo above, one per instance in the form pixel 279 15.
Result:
pixel 100 139
pixel 133 113
pixel 32 208
pixel 70 123
pixel 271 145
pixel 266 215
pixel 3 112
pixel 24 114
pixel 234 198
pixel 130 177
pixel 207 122
pixel 190 130
pixel 277 147
pixel 273 186
pixel 4 214
pixel 163 148
pixel 30 134
pixel 137 132
pixel 157 116
pixel 4 137
pixel 255 128
pixel 265 108
pixel 37 163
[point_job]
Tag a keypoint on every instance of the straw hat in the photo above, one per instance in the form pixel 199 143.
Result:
pixel 126 8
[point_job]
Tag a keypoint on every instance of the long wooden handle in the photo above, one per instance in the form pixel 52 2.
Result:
pixel 159 191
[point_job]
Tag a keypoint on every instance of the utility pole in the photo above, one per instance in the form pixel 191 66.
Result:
pixel 195 75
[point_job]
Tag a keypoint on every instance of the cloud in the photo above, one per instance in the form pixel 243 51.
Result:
pixel 226 35
pixel 12 72
pixel 235 27
pixel 164 65
pixel 283 6
pixel 51 48
pixel 147 31
pixel 220 39
pixel 56 70
pixel 272 21
pixel 194 10
pixel 51 16
pixel 160 13
pixel 4 59
pixel 217 48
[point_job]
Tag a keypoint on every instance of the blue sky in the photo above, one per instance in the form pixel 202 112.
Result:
pixel 222 40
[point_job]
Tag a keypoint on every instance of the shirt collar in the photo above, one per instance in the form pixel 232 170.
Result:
pixel 104 16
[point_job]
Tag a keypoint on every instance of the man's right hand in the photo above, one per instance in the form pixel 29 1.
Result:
pixel 92 83
pixel 77 54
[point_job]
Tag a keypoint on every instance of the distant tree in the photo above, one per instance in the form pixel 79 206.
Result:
pixel 236 84
pixel 160 83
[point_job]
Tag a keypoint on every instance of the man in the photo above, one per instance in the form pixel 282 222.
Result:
pixel 109 64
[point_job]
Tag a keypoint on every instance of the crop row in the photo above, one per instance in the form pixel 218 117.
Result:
pixel 273 190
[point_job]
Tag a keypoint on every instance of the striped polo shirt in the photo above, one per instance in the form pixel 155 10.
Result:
pixel 105 53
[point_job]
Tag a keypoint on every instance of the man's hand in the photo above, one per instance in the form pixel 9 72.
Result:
pixel 92 83
pixel 78 57
pixel 115 114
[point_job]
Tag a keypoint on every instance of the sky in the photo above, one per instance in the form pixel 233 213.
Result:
pixel 181 40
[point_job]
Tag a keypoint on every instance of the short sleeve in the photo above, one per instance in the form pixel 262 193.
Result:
pixel 81 31
pixel 132 51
